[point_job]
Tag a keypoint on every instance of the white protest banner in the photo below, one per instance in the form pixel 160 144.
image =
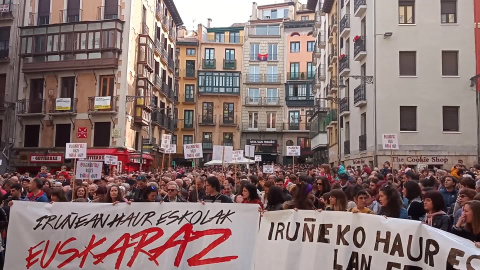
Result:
pixel 333 240
pixel 390 142
pixel 111 160
pixel 137 236
pixel 172 149
pixel 227 156
pixel 237 155
pixel 293 151
pixel 258 158
pixel 166 141
pixel 102 103
pixel 268 168
pixel 76 150
pixel 192 151
pixel 63 104
pixel 247 150
pixel 88 170
pixel 251 151
pixel 217 152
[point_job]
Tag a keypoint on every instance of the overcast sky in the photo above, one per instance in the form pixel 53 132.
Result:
pixel 222 12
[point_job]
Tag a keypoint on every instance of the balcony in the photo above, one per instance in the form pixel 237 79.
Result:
pixel 6 11
pixel 37 19
pixel 158 82
pixel 271 101
pixel 102 105
pixel 321 40
pixel 70 15
pixel 145 29
pixel 331 118
pixel 158 47
pixel 171 64
pixel 28 107
pixel 207 145
pixel 209 63
pixel 4 51
pixel 207 120
pixel 264 31
pixel 63 106
pixel 109 12
pixel 300 101
pixel 235 40
pixel 362 142
pixel 167 91
pixel 67 50
pixel 159 11
pixel 360 7
pixel 345 25
pixel 360 96
pixel 300 76
pixel 230 64
pixel 263 79
pixel 253 101
pixel 188 73
pixel 162 120
pixel 359 49
pixel 230 121
pixel 346 148
pixel 321 73
pixel 344 106
pixel 332 87
pixel 344 65
pixel 261 57
pixel 297 125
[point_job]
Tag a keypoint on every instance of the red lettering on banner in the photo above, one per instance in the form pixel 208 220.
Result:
pixel 126 241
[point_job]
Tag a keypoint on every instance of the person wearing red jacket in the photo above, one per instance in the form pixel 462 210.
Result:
pixel 64 173
pixel 367 169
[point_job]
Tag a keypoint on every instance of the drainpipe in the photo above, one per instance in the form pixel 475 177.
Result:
pixel 375 153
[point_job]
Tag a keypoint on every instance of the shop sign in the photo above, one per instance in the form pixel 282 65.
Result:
pixel 96 157
pixel 414 160
pixel 46 158
pixel 262 142
pixel 116 133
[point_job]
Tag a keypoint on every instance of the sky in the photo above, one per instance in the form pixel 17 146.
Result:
pixel 222 12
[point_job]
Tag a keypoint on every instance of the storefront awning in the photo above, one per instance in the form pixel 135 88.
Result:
pixel 144 156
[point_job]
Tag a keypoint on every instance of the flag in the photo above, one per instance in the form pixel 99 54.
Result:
pixel 262 57
pixel 82 133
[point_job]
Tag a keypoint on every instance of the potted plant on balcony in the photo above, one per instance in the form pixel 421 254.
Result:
pixel 341 57
pixel 356 38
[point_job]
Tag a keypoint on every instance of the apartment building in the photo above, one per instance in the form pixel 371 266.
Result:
pixel 10 19
pixel 218 102
pixel 394 81
pixel 96 72
pixel 188 51
pixel 299 82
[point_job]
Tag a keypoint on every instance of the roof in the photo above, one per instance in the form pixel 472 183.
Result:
pixel 238 25
pixel 298 24
pixel 223 29
pixel 192 41
pixel 276 5
pixel 174 12
pixel 311 4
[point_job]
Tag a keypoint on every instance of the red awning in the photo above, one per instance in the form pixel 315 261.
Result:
pixel 105 151
pixel 144 156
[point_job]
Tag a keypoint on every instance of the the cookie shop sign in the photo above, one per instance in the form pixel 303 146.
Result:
pixel 421 159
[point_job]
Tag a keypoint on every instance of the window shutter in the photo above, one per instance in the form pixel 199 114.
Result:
pixel 44 7
pixel 449 6
pixel 408 65
pixel 408 118
pixel 450 63
pixel 450 118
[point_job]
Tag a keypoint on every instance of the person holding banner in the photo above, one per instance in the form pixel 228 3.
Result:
pixel 303 198
pixel 114 195
pixel 250 195
pixel 212 188
pixel 36 193
pixel 392 205
pixel 435 217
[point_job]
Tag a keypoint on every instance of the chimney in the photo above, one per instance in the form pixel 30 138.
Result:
pixel 209 24
pixel 254 11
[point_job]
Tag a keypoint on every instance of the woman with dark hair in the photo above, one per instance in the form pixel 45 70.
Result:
pixel 338 200
pixel 80 193
pixel 302 198
pixel 275 199
pixel 58 195
pixel 433 204
pixel 322 186
pixel 391 203
pixel 413 193
pixel 250 195
pixel 464 195
pixel 468 225
pixel 151 194
pixel 114 195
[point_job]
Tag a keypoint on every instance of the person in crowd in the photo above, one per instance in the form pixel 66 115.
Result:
pixel 114 195
pixel 80 193
pixel 449 192
pixel 322 186
pixel 325 171
pixel 367 169
pixel 343 180
pixel 361 203
pixel 302 198
pixel 212 188
pixel 254 180
pixel 386 169
pixel 46 183
pixel 413 193
pixel 228 189
pixel 250 195
pixel 173 193
pixel 25 187
pixel 36 194
pixel 435 216
pixel 468 225
pixel 63 172
pixel 151 194
pixel 15 195
pixel 464 195
pixel 58 195
pixel 197 190
pixel 92 189
pixel 43 172
pixel 280 182
pixel 275 199
pixel 338 200
pixel 139 193
pixel 392 205
pixel 266 188
pixel 372 203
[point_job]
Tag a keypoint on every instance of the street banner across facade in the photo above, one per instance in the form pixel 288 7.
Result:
pixel 339 240
pixel 137 236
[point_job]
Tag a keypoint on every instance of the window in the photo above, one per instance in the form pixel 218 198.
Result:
pixel 4 42
pixel 189 92
pixel 450 118
pixel 190 68
pixel 294 71
pixel 298 91
pixel 449 11
pixel 347 131
pixel 449 63
pixel 229 54
pixel 363 124
pixel 408 63
pixel 68 87
pixel 219 82
pixel 271 121
pixel 207 138
pixel 234 37
pixel 3 86
pixel 101 134
pixel 253 120
pixel 62 134
pixel 209 54
pixel 220 37
pixel 188 118
pixel 187 139
pixel 294 120
pixel 272 74
pixel 294 47
pixel 406 11
pixel 310 46
pixel 207 112
pixel 36 103
pixel 304 18
pixel 174 139
pixel 253 96
pixel 228 113
pixel 73 11
pixel 254 51
pixel 43 12
pixel 254 75
pixel 267 30
pixel 285 13
pixel 191 51
pixel 107 84
pixel 310 71
pixel 228 138
pixel 32 136
pixel 274 14
pixel 272 96
pixel 408 118
pixel 272 52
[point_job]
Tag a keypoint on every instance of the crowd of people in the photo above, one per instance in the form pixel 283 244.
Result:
pixel 448 200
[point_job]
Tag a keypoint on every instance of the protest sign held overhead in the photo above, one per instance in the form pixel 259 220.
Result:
pixel 111 160
pixel 293 151
pixel 75 150
pixel 268 169
pixel 192 151
pixel 390 142
pixel 172 149
pixel 166 140
pixel 237 155
pixel 258 158
pixel 88 170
